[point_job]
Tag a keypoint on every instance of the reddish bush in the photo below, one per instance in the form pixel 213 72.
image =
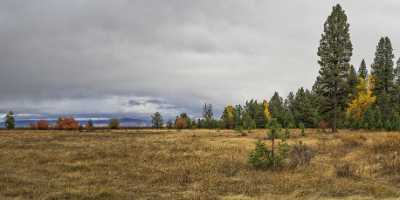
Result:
pixel 67 123
pixel 40 125
pixel 181 123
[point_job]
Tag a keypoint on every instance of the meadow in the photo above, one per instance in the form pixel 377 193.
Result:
pixel 193 164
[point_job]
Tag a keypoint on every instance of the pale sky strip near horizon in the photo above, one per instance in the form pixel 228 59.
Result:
pixel 138 57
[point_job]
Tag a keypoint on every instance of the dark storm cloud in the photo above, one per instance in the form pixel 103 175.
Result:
pixel 124 56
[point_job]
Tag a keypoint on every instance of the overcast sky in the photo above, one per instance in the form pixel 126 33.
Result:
pixel 138 57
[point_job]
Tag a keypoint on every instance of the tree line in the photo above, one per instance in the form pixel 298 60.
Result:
pixel 341 97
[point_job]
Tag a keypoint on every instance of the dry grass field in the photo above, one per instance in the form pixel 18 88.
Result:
pixel 192 164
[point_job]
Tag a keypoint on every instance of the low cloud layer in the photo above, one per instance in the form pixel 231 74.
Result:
pixel 142 56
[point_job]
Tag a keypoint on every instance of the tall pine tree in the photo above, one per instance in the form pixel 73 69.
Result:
pixel 383 74
pixel 335 52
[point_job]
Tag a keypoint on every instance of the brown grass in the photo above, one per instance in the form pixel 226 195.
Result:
pixel 191 164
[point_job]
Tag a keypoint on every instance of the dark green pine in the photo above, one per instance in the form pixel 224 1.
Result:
pixel 335 52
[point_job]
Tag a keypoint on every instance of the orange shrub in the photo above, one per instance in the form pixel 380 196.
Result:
pixel 67 123
pixel 40 125
pixel 181 123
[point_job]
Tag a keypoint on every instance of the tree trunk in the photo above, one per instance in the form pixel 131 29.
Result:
pixel 273 147
pixel 334 121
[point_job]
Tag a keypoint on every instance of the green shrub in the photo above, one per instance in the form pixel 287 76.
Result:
pixel 263 158
pixel 259 158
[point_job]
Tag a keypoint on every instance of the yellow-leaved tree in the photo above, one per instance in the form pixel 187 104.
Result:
pixel 363 100
pixel 267 114
pixel 229 116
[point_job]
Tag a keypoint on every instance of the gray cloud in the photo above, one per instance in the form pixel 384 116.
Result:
pixel 121 56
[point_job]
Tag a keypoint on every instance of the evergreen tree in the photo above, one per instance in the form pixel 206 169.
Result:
pixel 383 74
pixel 290 102
pixel 10 120
pixel 382 68
pixel 277 109
pixel 208 115
pixel 257 112
pixel 352 80
pixel 260 118
pixel 335 52
pixel 251 108
pixel 248 122
pixel 362 71
pixel 303 109
pixel 288 114
pixel 238 116
pixel 157 120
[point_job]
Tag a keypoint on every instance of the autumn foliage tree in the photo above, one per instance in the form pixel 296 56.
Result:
pixel 67 123
pixel 228 117
pixel 40 125
pixel 181 123
pixel 362 101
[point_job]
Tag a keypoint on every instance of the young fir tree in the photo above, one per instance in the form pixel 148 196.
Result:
pixel 362 71
pixel 335 52
pixel 383 74
pixel 10 120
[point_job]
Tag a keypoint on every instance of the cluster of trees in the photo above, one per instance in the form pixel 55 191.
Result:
pixel 183 121
pixel 63 123
pixel 341 96
pixel 350 99
pixel 294 111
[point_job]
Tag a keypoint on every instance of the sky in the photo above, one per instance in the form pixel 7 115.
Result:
pixel 135 57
